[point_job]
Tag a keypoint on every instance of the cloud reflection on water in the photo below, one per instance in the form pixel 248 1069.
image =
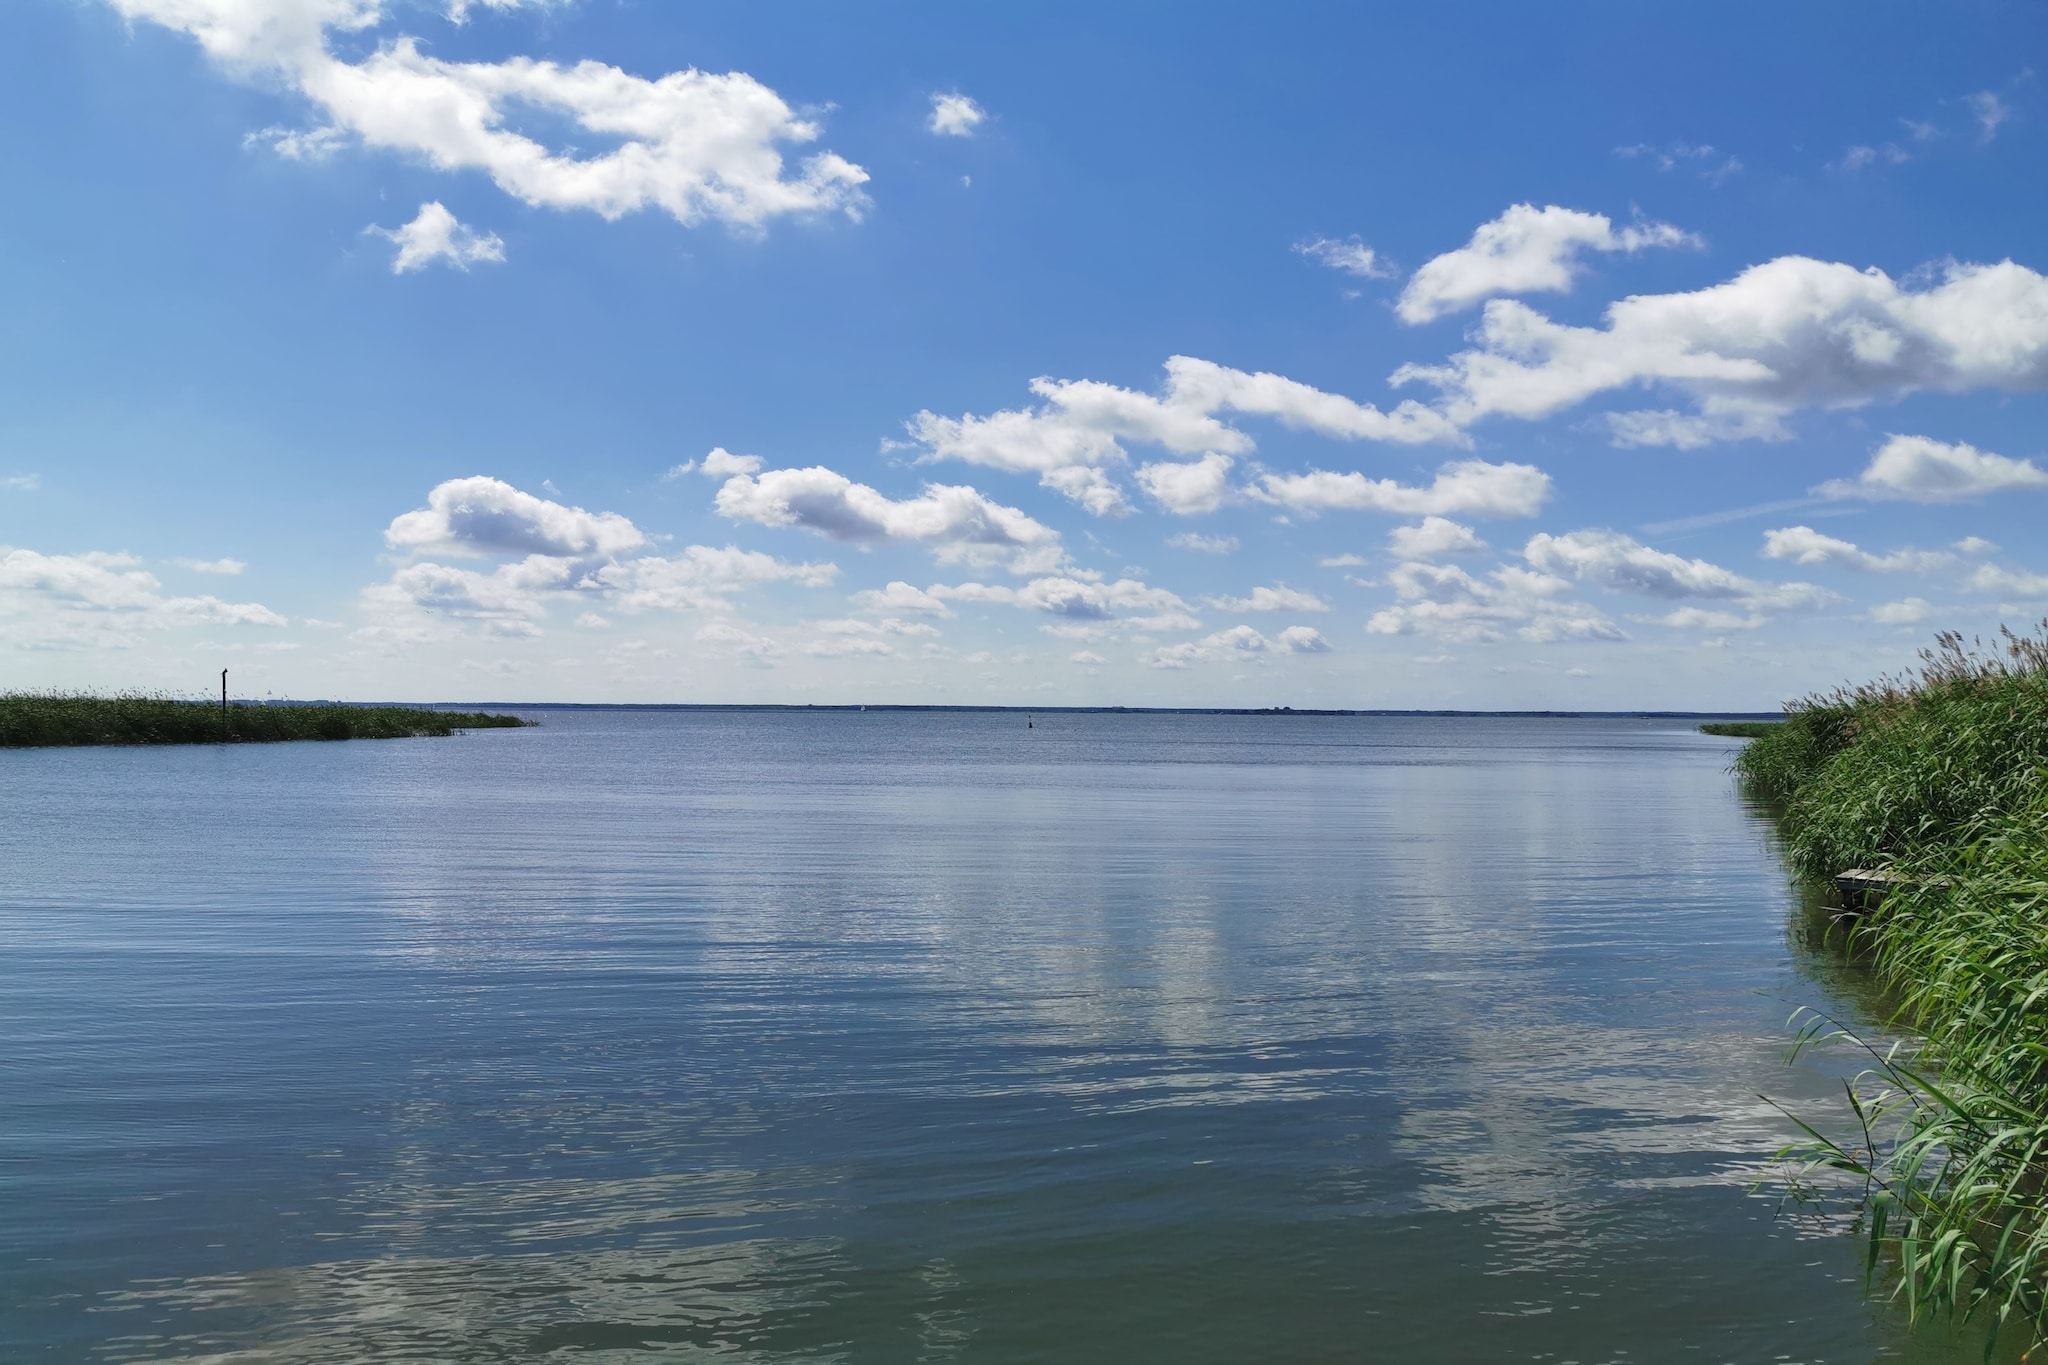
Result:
pixel 791 1039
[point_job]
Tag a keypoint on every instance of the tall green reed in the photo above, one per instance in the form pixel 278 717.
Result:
pixel 1940 778
pixel 32 719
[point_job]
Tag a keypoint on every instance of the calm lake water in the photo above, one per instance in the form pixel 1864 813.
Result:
pixel 908 1037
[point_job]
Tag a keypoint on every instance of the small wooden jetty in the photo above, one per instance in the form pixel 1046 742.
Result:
pixel 1864 889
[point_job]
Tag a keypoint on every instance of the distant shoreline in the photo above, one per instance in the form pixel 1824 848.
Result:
pixel 1074 710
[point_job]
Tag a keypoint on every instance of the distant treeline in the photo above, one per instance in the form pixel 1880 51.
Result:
pixel 1938 782
pixel 40 719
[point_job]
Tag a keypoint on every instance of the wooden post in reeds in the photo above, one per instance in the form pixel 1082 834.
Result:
pixel 224 731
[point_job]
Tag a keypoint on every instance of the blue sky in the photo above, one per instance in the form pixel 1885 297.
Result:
pixel 1573 356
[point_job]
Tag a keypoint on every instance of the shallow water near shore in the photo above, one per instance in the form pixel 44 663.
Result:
pixel 910 1036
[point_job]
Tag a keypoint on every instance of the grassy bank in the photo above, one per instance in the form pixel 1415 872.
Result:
pixel 1740 729
pixel 1940 779
pixel 34 719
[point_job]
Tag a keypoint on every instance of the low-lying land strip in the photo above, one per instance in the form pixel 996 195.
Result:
pixel 1740 729
pixel 35 719
pixel 1938 783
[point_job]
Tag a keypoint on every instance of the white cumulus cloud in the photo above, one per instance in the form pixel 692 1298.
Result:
pixel 1524 251
pixel 723 464
pixel 509 601
pixel 899 596
pixel 1920 469
pixel 1434 538
pixel 1910 611
pixel 1449 603
pixel 1188 489
pixel 719 464
pixel 1468 487
pixel 956 520
pixel 554 554
pixel 695 145
pixel 433 235
pixel 1302 640
pixel 1238 642
pixel 1804 545
pixel 1084 423
pixel 100 600
pixel 1094 490
pixel 1621 564
pixel 485 516
pixel 2013 583
pixel 1788 334
pixel 955 115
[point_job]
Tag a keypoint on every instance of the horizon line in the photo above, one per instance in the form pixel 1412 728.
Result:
pixel 1042 710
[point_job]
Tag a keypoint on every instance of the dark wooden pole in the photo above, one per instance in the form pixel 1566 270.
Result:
pixel 223 706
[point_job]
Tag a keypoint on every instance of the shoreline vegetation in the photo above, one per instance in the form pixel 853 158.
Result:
pixel 1935 786
pixel 1740 729
pixel 53 720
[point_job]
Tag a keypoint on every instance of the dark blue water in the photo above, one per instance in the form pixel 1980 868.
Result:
pixel 888 1036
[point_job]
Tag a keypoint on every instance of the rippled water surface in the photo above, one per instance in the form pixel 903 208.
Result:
pixel 906 1036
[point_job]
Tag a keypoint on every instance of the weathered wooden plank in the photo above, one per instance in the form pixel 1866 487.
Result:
pixel 1863 889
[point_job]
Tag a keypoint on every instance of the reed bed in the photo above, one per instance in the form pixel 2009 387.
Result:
pixel 43 719
pixel 1939 779
pixel 1740 729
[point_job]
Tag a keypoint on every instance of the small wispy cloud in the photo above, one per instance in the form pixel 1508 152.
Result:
pixel 219 566
pixel 1862 156
pixel 1710 163
pixel 1706 519
pixel 719 464
pixel 1350 255
pixel 21 483
pixel 1206 545
pixel 1990 111
pixel 457 11
pixel 955 115
pixel 435 234
pixel 298 144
